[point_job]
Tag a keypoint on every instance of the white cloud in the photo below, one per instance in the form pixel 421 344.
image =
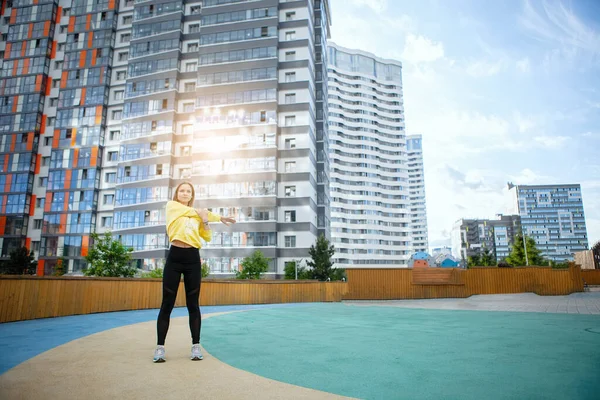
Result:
pixel 553 142
pixel 525 123
pixel 527 177
pixel 418 49
pixel 523 65
pixel 379 6
pixel 480 69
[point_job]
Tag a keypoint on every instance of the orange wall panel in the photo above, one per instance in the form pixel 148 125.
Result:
pixel 98 115
pixel 30 33
pixel 83 92
pixel 48 203
pixel 68 175
pixel 47 28
pixel 30 137
pixel 82 56
pixel 48 86
pixel 74 137
pixel 56 139
pixel 63 223
pixel 94 160
pixel 75 157
pixel 2 224
pixel 63 79
pixel 38 163
pixel 8 182
pixel 43 125
pixel 71 24
pixel 7 52
pixel 32 205
pixel 58 14
pixel 13 16
pixel 40 266
pixel 28 243
pixel 85 244
pixel 88 22
pixel 25 65
pixel 53 51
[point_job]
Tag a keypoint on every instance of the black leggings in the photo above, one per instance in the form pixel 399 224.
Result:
pixel 184 261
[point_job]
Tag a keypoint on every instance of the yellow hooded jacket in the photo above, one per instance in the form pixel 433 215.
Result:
pixel 184 223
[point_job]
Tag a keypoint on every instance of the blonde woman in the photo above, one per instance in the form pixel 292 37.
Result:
pixel 185 227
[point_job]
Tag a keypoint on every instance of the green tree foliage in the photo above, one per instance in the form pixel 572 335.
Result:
pixel 321 263
pixel 155 273
pixel 253 267
pixel 21 262
pixel 109 257
pixel 290 271
pixel 516 257
pixel 596 254
pixel 205 270
pixel 60 267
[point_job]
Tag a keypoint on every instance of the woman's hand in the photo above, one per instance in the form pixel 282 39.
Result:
pixel 202 213
pixel 227 221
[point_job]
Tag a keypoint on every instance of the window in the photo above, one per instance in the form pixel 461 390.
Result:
pixel 110 177
pixel 290 56
pixel 194 28
pixel 37 224
pixel 290 241
pixel 121 75
pixel 113 156
pixel 45 161
pixel 290 191
pixel 107 221
pixel 290 166
pixel 123 56
pixel 186 150
pixel 290 77
pixel 195 10
pixel 53 101
pixel 291 35
pixel 125 37
pixel 128 3
pixel 58 64
pixel 290 98
pixel 55 83
pixel 165 104
pixel 290 216
pixel 66 11
pixel 190 87
pixel 61 47
pixel 43 181
pixel 119 94
pixel 191 67
pixel 114 135
pixel 192 47
pixel 188 107
pixel 108 199
pixel 117 114
pixel 39 203
pixel 62 29
pixel 47 141
pixel 127 19
pixel 290 143
pixel 290 120
pixel 290 16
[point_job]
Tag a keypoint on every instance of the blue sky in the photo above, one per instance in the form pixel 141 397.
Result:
pixel 500 90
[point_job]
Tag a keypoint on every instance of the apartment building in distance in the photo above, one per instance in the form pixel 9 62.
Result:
pixel 472 237
pixel 416 184
pixel 553 216
pixel 107 105
pixel 370 190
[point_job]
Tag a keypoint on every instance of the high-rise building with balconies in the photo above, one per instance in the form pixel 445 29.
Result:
pixel 105 106
pixel 371 206
pixel 416 184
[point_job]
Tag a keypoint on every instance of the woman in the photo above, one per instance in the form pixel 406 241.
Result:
pixel 185 227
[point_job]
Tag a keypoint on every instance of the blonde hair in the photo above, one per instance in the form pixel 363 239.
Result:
pixel 191 202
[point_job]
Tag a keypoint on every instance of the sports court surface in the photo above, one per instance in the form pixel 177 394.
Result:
pixel 493 347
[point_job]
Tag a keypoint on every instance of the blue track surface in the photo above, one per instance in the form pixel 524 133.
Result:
pixel 23 340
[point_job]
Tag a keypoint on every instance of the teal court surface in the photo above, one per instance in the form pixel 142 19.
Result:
pixel 443 349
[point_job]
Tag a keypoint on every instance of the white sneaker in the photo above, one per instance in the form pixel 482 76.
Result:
pixel 196 353
pixel 159 354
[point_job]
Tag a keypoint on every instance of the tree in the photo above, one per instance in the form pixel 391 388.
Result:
pixel 474 261
pixel 253 267
pixel 205 270
pixel 487 258
pixel 21 262
pixel 596 254
pixel 321 264
pixel 290 271
pixel 516 257
pixel 59 268
pixel 109 257
pixel 155 273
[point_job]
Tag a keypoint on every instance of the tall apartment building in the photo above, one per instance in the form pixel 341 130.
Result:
pixel 471 237
pixel 370 205
pixel 416 186
pixel 553 216
pixel 107 105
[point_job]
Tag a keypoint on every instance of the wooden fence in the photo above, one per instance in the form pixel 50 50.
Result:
pixel 591 276
pixel 25 297
pixel 429 283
